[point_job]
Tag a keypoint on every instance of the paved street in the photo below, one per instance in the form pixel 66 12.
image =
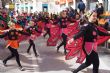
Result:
pixel 49 60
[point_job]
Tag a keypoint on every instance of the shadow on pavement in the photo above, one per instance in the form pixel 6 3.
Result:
pixel 100 71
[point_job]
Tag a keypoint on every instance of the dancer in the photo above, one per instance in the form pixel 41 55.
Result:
pixel 89 32
pixel 12 35
pixel 31 30
pixel 63 24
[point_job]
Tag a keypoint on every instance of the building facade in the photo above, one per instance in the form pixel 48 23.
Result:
pixel 55 6
pixel 25 5
pixel 31 6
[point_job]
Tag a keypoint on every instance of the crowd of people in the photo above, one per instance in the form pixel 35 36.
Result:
pixel 70 26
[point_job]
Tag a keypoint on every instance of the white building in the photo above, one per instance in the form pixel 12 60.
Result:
pixel 25 6
pixel 36 5
pixel 52 7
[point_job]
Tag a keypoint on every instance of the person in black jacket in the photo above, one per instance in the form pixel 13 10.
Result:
pixel 90 33
pixel 100 10
pixel 81 7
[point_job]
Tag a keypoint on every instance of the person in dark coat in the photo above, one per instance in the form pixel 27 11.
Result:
pixel 81 6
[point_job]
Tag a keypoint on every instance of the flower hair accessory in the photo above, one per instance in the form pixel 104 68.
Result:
pixel 31 23
pixel 89 13
pixel 10 23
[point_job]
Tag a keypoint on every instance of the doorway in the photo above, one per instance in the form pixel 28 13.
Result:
pixel 45 7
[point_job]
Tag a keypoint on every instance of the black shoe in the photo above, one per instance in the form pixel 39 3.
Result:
pixel 22 69
pixel 44 36
pixel 57 49
pixel 28 52
pixel 65 52
pixel 81 67
pixel 74 71
pixel 4 63
pixel 36 55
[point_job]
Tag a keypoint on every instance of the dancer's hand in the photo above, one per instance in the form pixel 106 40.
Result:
pixel 108 31
pixel 1 31
pixel 72 24
pixel 4 30
pixel 32 35
pixel 53 25
pixel 19 29
pixel 70 41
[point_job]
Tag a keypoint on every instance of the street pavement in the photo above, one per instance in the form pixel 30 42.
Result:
pixel 49 60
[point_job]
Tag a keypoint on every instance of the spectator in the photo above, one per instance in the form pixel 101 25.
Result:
pixel 81 6
pixel 100 10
